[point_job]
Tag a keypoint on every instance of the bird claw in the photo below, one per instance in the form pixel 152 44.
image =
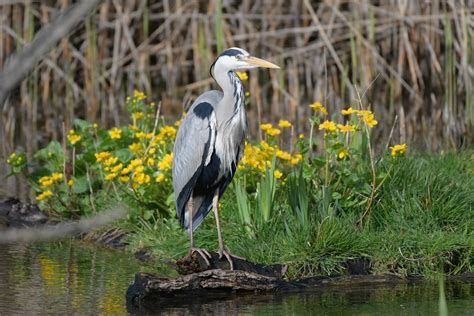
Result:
pixel 226 253
pixel 205 255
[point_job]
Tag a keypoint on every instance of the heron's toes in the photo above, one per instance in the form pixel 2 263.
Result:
pixel 205 255
pixel 226 253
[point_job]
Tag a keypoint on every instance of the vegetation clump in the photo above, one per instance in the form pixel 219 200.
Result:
pixel 316 204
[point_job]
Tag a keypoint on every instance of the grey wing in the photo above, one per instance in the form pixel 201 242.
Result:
pixel 192 151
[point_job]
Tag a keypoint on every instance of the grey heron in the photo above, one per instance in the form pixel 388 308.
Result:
pixel 209 145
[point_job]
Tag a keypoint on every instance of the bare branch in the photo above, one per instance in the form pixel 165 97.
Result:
pixel 20 64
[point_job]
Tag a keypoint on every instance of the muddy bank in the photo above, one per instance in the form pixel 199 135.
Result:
pixel 15 214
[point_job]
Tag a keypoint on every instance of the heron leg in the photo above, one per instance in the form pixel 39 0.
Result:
pixel 223 251
pixel 202 252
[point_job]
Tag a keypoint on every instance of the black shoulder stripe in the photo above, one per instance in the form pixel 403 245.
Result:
pixel 203 110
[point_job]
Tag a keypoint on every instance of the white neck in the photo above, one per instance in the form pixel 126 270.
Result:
pixel 233 90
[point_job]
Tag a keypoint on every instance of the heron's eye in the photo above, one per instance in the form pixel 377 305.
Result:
pixel 239 56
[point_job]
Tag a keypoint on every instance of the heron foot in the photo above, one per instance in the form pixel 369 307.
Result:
pixel 224 252
pixel 205 255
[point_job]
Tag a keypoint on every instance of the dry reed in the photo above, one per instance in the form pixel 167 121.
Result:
pixel 413 59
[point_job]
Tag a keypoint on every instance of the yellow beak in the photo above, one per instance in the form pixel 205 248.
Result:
pixel 260 62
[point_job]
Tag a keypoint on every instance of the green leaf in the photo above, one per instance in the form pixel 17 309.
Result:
pixel 80 185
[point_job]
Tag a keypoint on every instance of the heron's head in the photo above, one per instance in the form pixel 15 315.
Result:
pixel 236 58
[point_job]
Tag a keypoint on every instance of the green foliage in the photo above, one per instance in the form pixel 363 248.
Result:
pixel 314 210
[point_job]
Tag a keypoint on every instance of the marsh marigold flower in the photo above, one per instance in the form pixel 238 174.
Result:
pixel 72 137
pixel 70 182
pixel 160 178
pixel 139 95
pixel 46 181
pixel 329 126
pixel 273 132
pixel 349 111
pixel 115 133
pixel 278 174
pixel 342 153
pixel 368 117
pixel 135 147
pixel 284 124
pixel 399 149
pixel 99 157
pixel 346 128
pixel 124 179
pixel 44 195
pixel 166 162
pixel 242 75
pixel 317 106
pixel 296 159
pixel 266 127
pixel 56 176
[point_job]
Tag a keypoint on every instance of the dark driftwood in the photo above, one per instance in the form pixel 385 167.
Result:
pixel 150 292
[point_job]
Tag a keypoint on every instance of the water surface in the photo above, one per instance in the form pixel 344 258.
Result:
pixel 74 278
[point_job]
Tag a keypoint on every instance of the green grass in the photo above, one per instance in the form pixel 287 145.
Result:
pixel 422 221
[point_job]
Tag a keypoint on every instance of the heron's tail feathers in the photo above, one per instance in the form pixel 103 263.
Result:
pixel 201 207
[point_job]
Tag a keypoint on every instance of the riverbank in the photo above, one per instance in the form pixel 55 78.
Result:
pixel 422 223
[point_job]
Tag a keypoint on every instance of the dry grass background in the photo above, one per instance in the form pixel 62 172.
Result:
pixel 412 60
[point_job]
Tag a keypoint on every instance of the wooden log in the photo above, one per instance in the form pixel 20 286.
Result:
pixel 151 293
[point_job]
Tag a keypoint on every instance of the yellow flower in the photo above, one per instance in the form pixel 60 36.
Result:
pixel 317 106
pixel 301 136
pixel 296 159
pixel 141 178
pixel 115 133
pixel 117 168
pixel 399 149
pixel 44 195
pixel 46 181
pixel 110 161
pixel 273 132
pixel 278 174
pixel 283 155
pixel 135 147
pixel 140 135
pixel 167 131
pixel 139 95
pixel 149 135
pixel 160 178
pixel 247 94
pixel 266 127
pixel 73 137
pixel 124 179
pixel 178 122
pixel 56 176
pixel 242 75
pixel 139 169
pixel 70 182
pixel 166 162
pixel 126 170
pixel 133 128
pixel 138 115
pixel 329 126
pixel 110 176
pixel 95 126
pixel 152 150
pixel 346 128
pixel 368 117
pixel 342 153
pixel 102 156
pixel 349 111
pixel 284 124
pixel 150 162
pixel 136 162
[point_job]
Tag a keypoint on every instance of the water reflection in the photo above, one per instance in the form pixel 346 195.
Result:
pixel 71 278
pixel 63 278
